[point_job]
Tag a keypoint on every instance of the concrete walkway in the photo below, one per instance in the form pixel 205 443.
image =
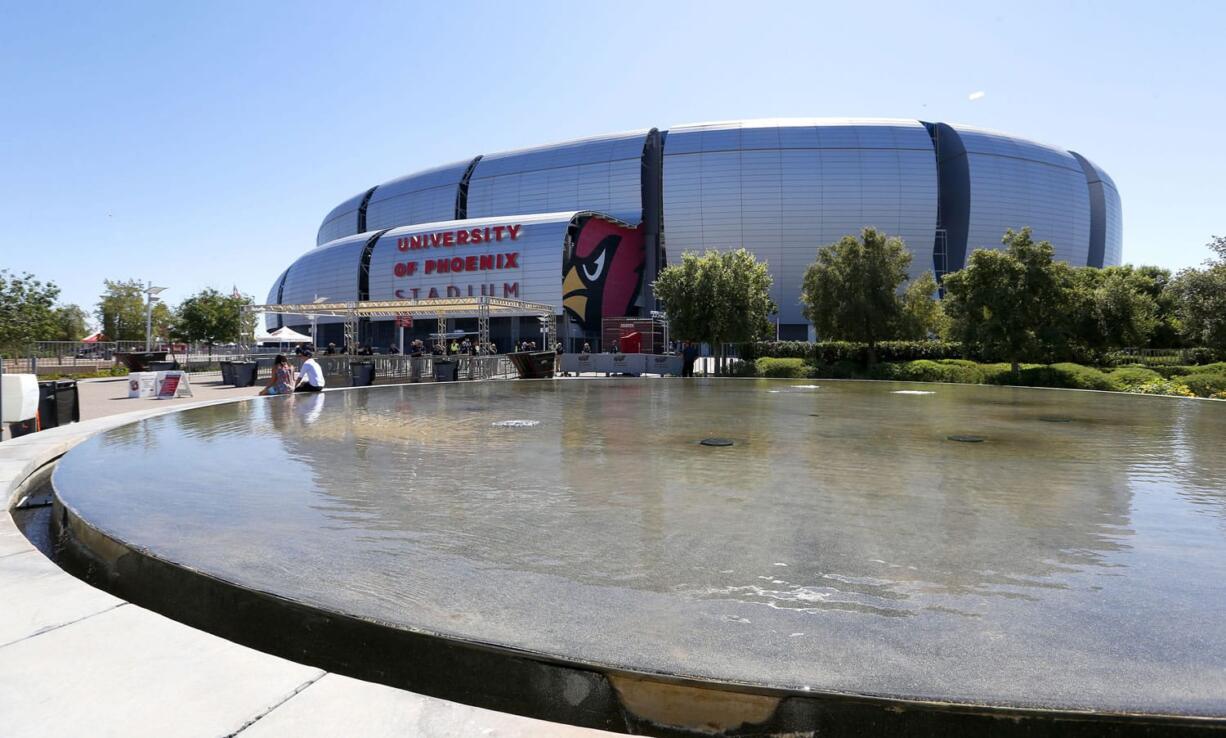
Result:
pixel 75 660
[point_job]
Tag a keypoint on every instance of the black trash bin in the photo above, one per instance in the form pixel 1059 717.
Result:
pixel 445 371
pixel 67 406
pixel 244 373
pixel 361 373
pixel 227 372
pixel 163 366
pixel 47 415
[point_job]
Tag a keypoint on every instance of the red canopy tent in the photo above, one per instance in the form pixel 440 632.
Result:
pixel 94 337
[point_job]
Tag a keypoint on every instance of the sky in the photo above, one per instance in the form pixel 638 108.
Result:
pixel 200 144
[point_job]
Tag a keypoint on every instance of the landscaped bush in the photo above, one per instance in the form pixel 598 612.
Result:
pixel 1203 384
pixel 830 352
pixel 789 368
pixel 925 370
pixel 1066 375
pixel 1127 377
pixel 742 368
pixel 1162 387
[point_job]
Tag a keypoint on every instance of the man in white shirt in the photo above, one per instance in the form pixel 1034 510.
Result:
pixel 311 376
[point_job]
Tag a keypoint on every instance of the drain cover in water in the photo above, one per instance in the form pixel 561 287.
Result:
pixel 1054 419
pixel 716 441
pixel 967 439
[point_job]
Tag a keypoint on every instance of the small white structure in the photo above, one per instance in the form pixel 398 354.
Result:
pixel 18 397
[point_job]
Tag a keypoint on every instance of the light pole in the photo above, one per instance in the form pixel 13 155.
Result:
pixel 151 293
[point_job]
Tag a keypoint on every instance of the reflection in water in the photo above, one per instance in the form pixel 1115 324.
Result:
pixel 842 543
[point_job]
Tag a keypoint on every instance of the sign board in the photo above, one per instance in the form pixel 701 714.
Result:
pixel 142 384
pixel 173 384
pixel 405 321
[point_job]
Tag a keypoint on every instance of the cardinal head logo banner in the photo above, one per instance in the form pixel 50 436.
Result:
pixel 602 272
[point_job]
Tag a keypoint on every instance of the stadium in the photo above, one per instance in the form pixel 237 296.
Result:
pixel 586 225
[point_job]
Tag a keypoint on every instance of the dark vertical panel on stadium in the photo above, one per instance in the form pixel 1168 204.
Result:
pixel 954 193
pixel 362 209
pixel 652 186
pixel 1098 213
pixel 280 293
pixel 461 192
pixel 364 281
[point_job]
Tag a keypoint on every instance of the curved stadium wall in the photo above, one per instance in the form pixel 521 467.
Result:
pixel 780 188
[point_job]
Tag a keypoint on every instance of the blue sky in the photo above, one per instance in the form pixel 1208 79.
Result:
pixel 200 144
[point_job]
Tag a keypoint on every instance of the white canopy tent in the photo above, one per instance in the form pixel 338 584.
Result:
pixel 284 334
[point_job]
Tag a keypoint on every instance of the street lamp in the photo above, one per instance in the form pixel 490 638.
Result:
pixel 152 293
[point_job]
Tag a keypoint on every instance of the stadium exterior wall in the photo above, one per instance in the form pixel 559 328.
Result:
pixel 781 188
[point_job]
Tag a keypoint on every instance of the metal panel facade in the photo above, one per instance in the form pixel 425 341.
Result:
pixel 601 174
pixel 423 197
pixel 273 322
pixel 1017 183
pixel 432 248
pixel 783 188
pixel 329 271
pixel 342 221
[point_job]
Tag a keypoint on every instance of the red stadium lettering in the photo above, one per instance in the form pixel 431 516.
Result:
pixel 512 260
pixel 514 231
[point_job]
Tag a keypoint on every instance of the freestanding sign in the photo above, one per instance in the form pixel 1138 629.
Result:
pixel 173 384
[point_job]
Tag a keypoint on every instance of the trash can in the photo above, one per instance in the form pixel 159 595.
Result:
pixel 47 416
pixel 67 408
pixel 361 373
pixel 445 371
pixel 227 372
pixel 244 373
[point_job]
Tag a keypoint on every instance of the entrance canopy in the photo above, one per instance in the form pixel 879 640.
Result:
pixel 482 308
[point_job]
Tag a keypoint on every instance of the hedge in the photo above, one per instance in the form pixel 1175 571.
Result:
pixel 790 368
pixel 1204 384
pixel 831 352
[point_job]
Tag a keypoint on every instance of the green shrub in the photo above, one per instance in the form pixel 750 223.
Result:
pixel 831 352
pixel 119 371
pixel 1203 384
pixel 924 370
pixel 1218 367
pixel 742 368
pixel 788 368
pixel 1065 375
pixel 1127 377
pixel 1162 387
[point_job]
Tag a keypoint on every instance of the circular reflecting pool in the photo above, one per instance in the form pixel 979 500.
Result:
pixel 841 542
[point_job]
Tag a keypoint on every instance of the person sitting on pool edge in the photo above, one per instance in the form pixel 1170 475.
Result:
pixel 282 380
pixel 311 376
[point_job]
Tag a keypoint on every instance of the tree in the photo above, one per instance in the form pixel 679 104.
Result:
pixel 717 298
pixel 211 318
pixel 1200 299
pixel 68 323
pixel 851 293
pixel 1111 308
pixel 1010 305
pixel 26 310
pixel 922 315
pixel 121 310
pixel 1156 282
